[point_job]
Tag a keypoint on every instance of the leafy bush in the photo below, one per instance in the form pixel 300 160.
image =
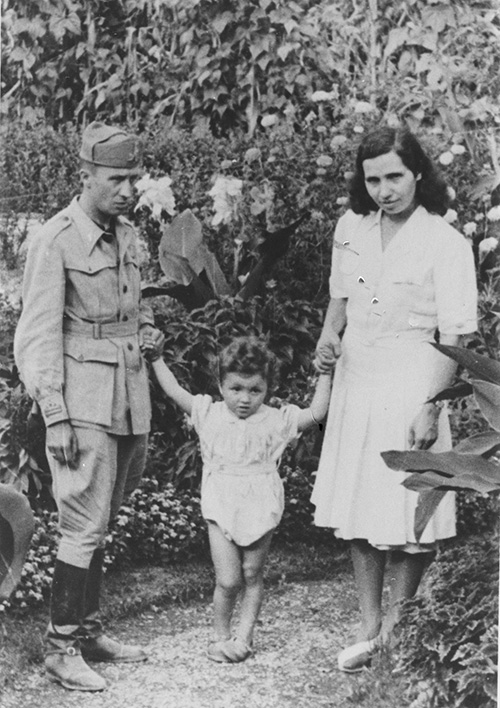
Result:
pixel 449 632
pixel 155 527
pixel 297 522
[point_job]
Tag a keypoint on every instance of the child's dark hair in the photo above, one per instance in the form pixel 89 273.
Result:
pixel 247 356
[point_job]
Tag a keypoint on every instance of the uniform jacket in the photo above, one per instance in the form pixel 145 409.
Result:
pixel 73 278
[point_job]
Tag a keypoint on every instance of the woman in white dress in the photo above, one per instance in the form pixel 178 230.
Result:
pixel 401 276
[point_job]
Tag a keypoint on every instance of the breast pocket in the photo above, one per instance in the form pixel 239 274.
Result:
pixel 348 257
pixel 89 374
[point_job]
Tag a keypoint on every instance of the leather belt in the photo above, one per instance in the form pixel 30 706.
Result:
pixel 96 330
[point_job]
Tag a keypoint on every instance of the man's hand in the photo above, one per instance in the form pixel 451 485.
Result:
pixel 151 342
pixel 424 429
pixel 62 443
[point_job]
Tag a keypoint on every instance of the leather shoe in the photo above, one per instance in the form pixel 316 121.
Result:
pixel 103 648
pixel 69 669
pixel 357 656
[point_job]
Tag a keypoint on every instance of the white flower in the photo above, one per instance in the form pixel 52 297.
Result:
pixel 319 96
pixel 252 154
pixel 324 161
pixel 470 228
pixel 451 216
pixel 337 141
pixel 226 194
pixel 156 195
pixel 342 201
pixel 363 107
pixel 451 193
pixel 358 129
pixel 269 119
pixel 457 149
pixel 494 213
pixel 488 244
pixel 446 158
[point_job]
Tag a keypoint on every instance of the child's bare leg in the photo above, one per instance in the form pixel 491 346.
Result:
pixel 226 557
pixel 254 557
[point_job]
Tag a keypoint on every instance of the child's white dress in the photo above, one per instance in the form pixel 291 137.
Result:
pixel 241 489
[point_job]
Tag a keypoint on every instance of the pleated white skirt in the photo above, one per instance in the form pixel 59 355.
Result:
pixel 377 391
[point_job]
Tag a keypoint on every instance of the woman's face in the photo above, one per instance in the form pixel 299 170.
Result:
pixel 391 185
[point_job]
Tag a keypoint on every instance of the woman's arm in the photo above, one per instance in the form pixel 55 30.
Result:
pixel 319 404
pixel 172 387
pixel 328 348
pixel 424 429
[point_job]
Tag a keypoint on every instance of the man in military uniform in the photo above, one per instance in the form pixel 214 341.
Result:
pixel 78 350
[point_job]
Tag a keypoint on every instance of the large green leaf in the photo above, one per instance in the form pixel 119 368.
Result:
pixel 428 502
pixel 457 470
pixel 421 481
pixel 479 444
pixel 482 367
pixel 488 399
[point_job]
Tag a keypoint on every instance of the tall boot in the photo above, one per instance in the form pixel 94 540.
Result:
pixel 63 658
pixel 95 645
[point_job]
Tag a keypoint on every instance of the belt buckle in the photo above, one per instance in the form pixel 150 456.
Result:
pixel 96 330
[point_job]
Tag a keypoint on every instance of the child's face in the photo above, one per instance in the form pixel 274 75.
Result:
pixel 242 394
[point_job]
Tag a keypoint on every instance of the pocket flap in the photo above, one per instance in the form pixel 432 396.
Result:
pixel 83 349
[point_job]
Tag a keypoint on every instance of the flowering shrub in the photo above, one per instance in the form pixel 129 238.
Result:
pixel 155 526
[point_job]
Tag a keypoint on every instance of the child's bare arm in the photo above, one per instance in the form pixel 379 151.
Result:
pixel 172 387
pixel 319 404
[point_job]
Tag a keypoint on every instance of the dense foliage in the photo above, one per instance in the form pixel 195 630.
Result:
pixel 449 637
pixel 249 64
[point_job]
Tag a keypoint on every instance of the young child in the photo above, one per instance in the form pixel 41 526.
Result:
pixel 242 499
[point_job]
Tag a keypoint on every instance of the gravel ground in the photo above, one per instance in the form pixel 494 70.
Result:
pixel 303 626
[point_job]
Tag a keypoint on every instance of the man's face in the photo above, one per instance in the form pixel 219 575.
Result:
pixel 109 191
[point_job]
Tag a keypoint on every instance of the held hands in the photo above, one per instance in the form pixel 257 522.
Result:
pixel 328 350
pixel 151 342
pixel 62 443
pixel 424 429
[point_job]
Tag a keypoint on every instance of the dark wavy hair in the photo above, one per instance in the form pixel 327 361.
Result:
pixel 247 356
pixel 431 191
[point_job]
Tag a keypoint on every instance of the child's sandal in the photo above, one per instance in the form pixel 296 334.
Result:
pixel 236 650
pixel 215 651
pixel 229 651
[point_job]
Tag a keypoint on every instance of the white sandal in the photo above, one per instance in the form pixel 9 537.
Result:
pixel 357 656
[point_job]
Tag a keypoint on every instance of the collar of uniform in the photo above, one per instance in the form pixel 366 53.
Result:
pixel 88 229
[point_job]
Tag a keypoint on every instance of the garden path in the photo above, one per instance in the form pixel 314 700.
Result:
pixel 303 626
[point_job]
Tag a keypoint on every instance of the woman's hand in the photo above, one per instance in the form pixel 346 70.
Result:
pixel 328 351
pixel 424 429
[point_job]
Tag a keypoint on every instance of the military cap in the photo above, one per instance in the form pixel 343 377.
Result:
pixel 111 147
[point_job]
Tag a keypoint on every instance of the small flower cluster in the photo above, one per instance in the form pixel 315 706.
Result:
pixel 155 525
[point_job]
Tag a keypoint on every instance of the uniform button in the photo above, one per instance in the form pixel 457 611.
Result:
pixel 361 279
pixel 375 300
pixel 125 318
pixel 125 288
pixel 130 347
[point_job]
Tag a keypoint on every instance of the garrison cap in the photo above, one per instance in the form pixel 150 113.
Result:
pixel 110 147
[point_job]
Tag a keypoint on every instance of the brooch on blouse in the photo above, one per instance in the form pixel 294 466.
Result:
pixel 344 246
